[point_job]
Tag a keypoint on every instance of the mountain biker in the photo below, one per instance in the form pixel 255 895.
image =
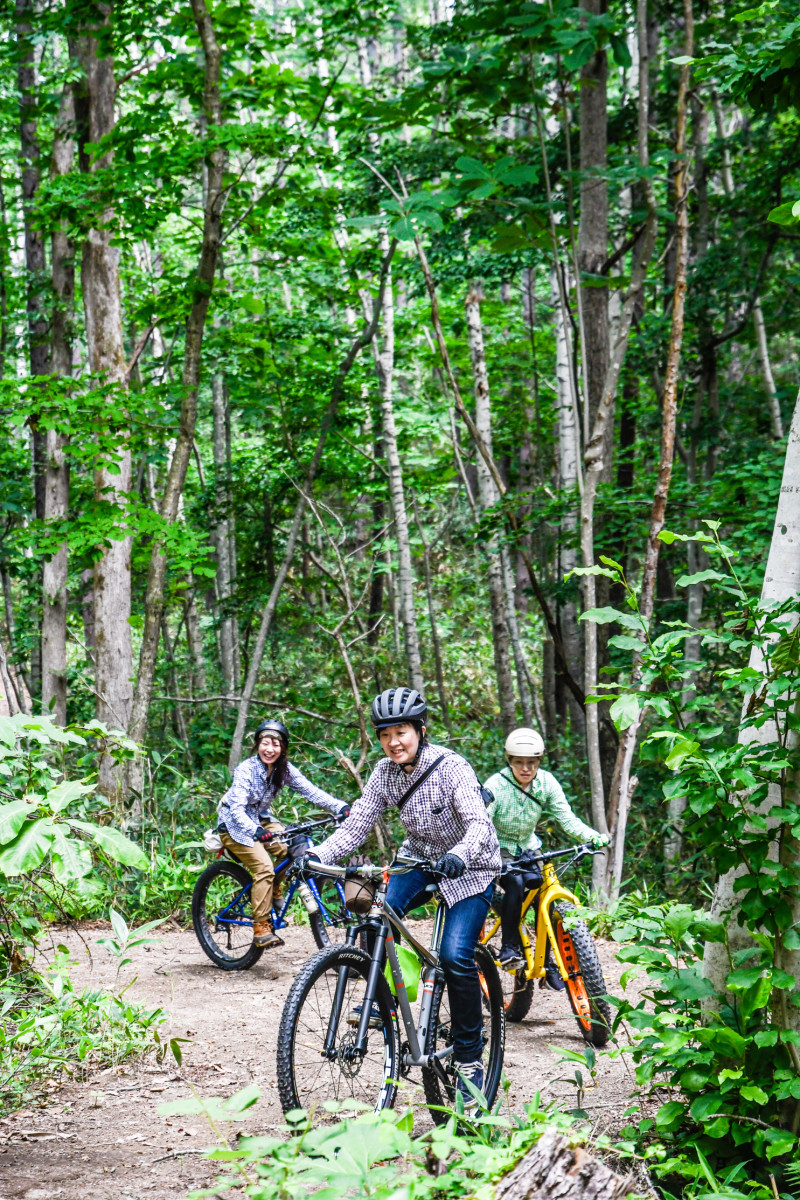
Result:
pixel 446 822
pixel 245 823
pixel 523 794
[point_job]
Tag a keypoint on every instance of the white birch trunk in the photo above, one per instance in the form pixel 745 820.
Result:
pixel 488 495
pixel 781 582
pixel 383 354
pixel 775 420
pixel 223 537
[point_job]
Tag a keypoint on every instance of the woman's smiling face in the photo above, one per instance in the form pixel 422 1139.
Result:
pixel 399 742
pixel 269 748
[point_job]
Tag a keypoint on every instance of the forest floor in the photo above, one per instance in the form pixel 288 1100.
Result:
pixel 104 1138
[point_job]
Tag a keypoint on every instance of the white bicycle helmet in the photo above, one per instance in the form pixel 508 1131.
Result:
pixel 524 743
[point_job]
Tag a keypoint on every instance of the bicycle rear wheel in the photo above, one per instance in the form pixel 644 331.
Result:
pixel 308 1076
pixel 221 916
pixel 440 1093
pixel 585 985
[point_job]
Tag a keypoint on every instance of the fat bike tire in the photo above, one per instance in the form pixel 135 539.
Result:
pixel 586 985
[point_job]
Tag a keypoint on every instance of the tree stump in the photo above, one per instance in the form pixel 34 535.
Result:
pixel 555 1170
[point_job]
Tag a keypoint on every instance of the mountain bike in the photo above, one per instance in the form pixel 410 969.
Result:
pixel 572 948
pixel 341 1028
pixel 221 904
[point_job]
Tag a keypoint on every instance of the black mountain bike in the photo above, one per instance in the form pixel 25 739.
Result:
pixel 340 1033
pixel 221 904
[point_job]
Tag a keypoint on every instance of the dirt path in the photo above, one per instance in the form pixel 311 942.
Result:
pixel 104 1138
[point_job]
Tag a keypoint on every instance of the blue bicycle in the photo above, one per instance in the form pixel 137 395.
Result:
pixel 221 904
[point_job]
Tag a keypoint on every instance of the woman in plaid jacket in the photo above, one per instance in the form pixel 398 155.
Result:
pixel 446 822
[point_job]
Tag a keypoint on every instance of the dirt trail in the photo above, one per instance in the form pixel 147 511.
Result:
pixel 104 1138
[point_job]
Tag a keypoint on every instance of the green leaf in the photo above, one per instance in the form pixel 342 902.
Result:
pixel 606 616
pixel 12 818
pixel 64 793
pixel 723 1041
pixel 785 214
pixel 624 641
pixel 752 1092
pixel 71 859
pixel 29 848
pixel 683 60
pixel 680 752
pixel 115 844
pixel 624 711
pixel 702 577
pixel 708 930
pixel 244 1099
pixel 670 1115
pixel 119 925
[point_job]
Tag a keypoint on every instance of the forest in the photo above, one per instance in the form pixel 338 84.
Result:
pixel 441 345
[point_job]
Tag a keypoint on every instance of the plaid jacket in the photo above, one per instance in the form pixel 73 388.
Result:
pixel 249 799
pixel 446 813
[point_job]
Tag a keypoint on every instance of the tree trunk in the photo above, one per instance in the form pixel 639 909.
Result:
pixel 593 229
pixel 103 313
pixel 56 499
pixel 781 583
pixel 569 451
pixel 194 640
pixel 437 649
pixel 195 327
pixel 775 421
pixel 383 355
pixel 228 632
pixel 620 799
pixel 337 394
pixel 488 496
pixel 520 665
pixel 556 1170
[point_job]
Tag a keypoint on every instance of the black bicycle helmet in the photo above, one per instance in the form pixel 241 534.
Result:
pixel 273 727
pixel 396 706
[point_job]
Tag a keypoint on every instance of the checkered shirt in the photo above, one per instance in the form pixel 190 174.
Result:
pixel 248 800
pixel 445 814
pixel 516 813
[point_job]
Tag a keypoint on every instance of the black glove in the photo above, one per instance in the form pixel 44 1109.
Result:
pixel 343 813
pixel 262 835
pixel 451 866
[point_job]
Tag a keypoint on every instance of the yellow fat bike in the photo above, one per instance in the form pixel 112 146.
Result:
pixel 572 949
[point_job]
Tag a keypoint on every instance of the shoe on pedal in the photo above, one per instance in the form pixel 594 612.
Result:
pixel 375 1018
pixel 264 936
pixel 510 958
pixel 472 1072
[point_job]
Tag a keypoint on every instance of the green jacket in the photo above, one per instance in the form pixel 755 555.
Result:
pixel 516 813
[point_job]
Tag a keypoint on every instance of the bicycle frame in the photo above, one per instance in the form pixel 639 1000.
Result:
pixel 549 891
pixel 278 915
pixel 383 920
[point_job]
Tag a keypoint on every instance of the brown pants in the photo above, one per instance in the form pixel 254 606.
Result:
pixel 258 861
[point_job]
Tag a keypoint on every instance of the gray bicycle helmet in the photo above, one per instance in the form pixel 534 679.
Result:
pixel 396 706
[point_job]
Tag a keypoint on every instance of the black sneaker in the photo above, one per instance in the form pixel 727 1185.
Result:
pixel 552 978
pixel 375 1018
pixel 510 958
pixel 474 1073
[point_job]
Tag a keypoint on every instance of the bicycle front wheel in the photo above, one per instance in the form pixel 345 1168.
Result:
pixel 585 985
pixel 221 916
pixel 309 1076
pixel 440 1092
pixel 330 928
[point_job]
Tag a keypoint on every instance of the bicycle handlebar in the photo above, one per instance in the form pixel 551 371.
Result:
pixel 309 825
pixel 367 870
pixel 578 852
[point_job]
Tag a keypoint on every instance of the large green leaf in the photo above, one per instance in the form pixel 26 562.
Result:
pixel 64 793
pixel 114 843
pixel 624 711
pixel 71 858
pixel 12 817
pixel 29 848
pixel 605 616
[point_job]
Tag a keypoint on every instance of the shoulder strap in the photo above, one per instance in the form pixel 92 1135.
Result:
pixel 510 779
pixel 409 793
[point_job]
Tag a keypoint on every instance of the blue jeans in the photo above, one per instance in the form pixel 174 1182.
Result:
pixel 462 930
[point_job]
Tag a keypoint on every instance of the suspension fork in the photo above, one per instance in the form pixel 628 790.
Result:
pixel 375 968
